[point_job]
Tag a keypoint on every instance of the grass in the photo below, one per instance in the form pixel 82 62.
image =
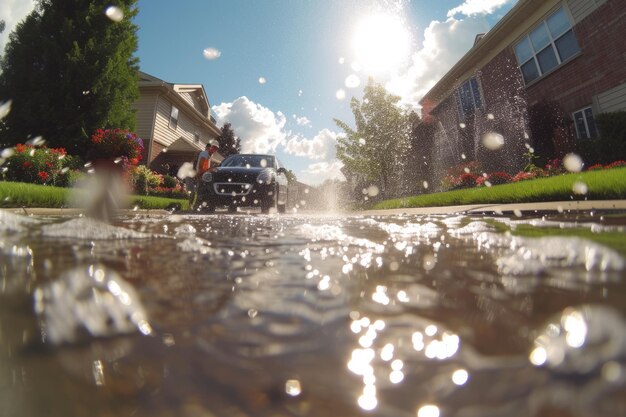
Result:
pixel 615 240
pixel 18 194
pixel 602 185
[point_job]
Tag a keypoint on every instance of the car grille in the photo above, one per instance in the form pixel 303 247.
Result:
pixel 232 188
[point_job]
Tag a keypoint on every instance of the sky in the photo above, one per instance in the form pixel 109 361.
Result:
pixel 281 71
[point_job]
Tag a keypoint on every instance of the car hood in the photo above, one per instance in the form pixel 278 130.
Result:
pixel 238 174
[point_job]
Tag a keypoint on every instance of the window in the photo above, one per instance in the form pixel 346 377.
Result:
pixel 468 98
pixel 547 46
pixel 174 118
pixel 585 124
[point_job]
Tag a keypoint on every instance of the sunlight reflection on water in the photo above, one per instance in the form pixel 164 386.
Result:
pixel 309 315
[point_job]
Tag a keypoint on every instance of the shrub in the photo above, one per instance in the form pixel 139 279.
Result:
pixel 170 181
pixel 461 176
pixel 38 165
pixel 496 178
pixel 141 179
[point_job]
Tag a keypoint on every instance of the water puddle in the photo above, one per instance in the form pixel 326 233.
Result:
pixel 304 315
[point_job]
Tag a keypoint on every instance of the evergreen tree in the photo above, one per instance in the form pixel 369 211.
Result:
pixel 229 143
pixel 378 148
pixel 69 69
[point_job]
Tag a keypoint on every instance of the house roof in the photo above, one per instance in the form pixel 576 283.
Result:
pixel 524 14
pixel 173 91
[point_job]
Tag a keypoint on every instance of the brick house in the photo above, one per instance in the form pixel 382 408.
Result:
pixel 537 78
pixel 174 121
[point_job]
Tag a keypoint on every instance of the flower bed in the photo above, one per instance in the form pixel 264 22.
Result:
pixel 468 175
pixel 38 165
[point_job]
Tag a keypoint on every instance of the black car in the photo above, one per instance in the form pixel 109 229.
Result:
pixel 245 180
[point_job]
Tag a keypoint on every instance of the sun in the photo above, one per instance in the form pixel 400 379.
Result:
pixel 381 43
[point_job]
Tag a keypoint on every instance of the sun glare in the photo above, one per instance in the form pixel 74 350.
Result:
pixel 381 43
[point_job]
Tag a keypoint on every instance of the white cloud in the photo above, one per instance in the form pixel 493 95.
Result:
pixel 319 172
pixel 259 128
pixel 477 7
pixel 444 45
pixel 322 146
pixel 302 121
pixel 12 12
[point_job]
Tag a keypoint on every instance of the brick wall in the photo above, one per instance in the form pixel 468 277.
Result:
pixel 600 66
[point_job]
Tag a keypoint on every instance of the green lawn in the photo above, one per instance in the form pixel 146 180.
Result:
pixel 18 194
pixel 602 185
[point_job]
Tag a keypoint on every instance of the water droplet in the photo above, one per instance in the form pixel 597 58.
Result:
pixel 493 141
pixel 538 356
pixel 612 371
pixel 352 81
pixel 262 80
pixel 293 388
pixel 7 153
pixel 490 116
pixel 395 377
pixel 425 184
pixel 580 188
pixel 428 410
pixel 463 156
pixel 36 141
pixel 372 191
pixel 367 402
pixel 252 313
pixel 462 125
pixel 98 372
pixel 460 377
pixel 5 108
pixel 211 53
pixel 573 162
pixel 340 94
pixel 114 13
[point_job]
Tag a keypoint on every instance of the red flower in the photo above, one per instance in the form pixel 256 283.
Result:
pixel 27 164
pixel 43 175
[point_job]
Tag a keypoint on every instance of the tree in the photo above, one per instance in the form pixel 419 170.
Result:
pixel 229 143
pixel 69 70
pixel 291 176
pixel 377 149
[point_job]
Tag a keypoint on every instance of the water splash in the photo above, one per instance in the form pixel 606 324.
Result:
pixel 88 302
pixel 114 13
pixel 211 53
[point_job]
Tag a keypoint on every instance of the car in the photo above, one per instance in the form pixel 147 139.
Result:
pixel 245 180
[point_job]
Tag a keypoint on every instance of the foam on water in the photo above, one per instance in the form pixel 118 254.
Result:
pixel 536 254
pixel 92 301
pixel 10 222
pixel 89 229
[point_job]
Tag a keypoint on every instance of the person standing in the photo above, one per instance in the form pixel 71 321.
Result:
pixel 203 164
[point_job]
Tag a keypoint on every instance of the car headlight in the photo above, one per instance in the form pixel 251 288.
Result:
pixel 265 177
pixel 207 177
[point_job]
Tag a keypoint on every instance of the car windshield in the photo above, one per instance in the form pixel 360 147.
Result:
pixel 249 161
